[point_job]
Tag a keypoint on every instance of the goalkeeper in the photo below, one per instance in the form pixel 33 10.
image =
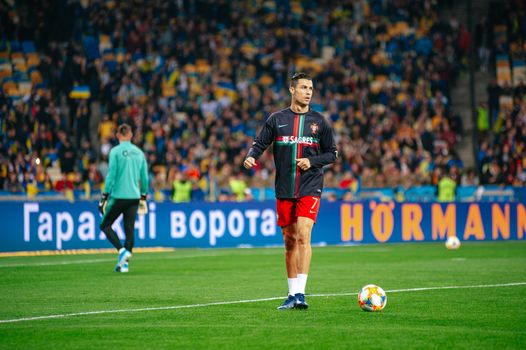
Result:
pixel 124 193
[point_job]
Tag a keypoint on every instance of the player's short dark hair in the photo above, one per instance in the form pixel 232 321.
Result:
pixel 124 129
pixel 297 76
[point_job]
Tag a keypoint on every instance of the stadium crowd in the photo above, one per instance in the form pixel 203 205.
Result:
pixel 501 122
pixel 196 79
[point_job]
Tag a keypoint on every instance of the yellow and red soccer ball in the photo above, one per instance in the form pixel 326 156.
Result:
pixel 372 298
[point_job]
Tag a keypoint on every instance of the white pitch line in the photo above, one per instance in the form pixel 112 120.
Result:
pixel 53 263
pixel 175 307
pixel 429 288
pixel 94 261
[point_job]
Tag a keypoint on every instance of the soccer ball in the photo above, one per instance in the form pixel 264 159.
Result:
pixel 372 298
pixel 452 242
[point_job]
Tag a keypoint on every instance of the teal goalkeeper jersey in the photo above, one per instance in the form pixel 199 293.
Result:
pixel 128 172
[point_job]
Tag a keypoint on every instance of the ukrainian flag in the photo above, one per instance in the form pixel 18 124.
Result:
pixel 226 88
pixel 81 92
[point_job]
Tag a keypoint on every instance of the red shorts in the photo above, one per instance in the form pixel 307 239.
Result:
pixel 289 209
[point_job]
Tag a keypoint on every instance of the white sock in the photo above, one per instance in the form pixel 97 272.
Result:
pixel 302 282
pixel 293 285
pixel 121 250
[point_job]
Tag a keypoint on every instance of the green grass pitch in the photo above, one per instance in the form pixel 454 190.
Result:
pixel 146 308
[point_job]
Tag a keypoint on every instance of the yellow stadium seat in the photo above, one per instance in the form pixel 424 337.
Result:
pixel 5 70
pixel 121 57
pixel 42 92
pixel 25 88
pixel 4 74
pixel 142 99
pixel 13 91
pixel 169 91
pixel 189 68
pixel 32 59
pixel 108 57
pixel 266 80
pixel 104 42
pixel 36 77
pixel 201 62
pixel 21 66
pixel 8 85
pixel 17 57
pixel 381 78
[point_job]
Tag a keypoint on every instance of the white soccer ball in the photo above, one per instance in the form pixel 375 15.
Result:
pixel 452 242
pixel 372 298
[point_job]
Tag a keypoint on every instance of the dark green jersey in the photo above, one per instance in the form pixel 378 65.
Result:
pixel 295 136
pixel 128 172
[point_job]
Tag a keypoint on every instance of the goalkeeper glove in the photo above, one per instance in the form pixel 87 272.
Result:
pixel 102 203
pixel 143 206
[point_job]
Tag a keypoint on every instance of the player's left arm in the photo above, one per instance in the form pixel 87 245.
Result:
pixel 143 207
pixel 144 176
pixel 328 151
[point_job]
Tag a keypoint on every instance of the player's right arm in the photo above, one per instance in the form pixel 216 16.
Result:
pixel 264 139
pixel 112 172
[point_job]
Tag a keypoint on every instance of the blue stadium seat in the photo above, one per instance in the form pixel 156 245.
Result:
pixel 15 46
pixel 379 194
pixel 466 193
pixel 494 193
pixel 256 193
pixel 49 194
pixel 28 46
pixel 420 194
pixel 91 46
pixel 270 193
pixel 137 56
pixel 333 190
pixel 520 194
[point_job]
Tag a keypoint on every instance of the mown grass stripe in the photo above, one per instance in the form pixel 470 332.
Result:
pixel 175 307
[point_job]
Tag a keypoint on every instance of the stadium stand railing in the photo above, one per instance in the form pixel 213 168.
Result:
pixel 488 193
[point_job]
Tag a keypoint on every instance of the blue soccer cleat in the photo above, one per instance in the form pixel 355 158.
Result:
pixel 124 255
pixel 300 301
pixel 124 267
pixel 288 304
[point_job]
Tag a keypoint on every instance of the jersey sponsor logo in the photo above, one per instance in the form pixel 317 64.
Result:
pixel 302 140
pixel 130 153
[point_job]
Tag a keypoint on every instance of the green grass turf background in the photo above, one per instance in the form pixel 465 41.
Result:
pixel 474 318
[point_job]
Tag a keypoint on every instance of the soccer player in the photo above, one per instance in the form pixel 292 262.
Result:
pixel 124 193
pixel 302 143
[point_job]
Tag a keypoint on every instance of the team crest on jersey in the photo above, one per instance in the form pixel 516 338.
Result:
pixel 314 128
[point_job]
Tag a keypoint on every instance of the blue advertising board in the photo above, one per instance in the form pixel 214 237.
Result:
pixel 59 225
